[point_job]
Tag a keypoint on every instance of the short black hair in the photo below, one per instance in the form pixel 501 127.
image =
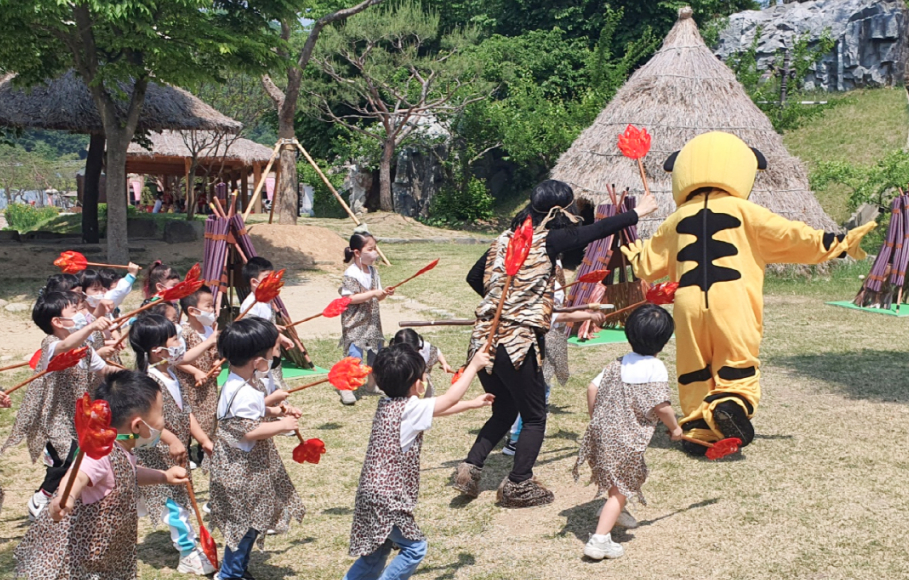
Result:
pixel 90 278
pixel 246 339
pixel 408 336
pixel 648 329
pixel 193 299
pixel 397 368
pixel 108 276
pixel 61 283
pixel 255 266
pixel 147 333
pixel 50 305
pixel 161 308
pixel 128 393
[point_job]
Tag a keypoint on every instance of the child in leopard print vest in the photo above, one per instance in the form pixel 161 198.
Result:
pixel 250 490
pixel 625 403
pixel 390 479
pixel 94 534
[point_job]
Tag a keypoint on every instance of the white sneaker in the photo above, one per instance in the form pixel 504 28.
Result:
pixel 36 505
pixel 206 508
pixel 196 563
pixel 625 519
pixel 347 397
pixel 192 465
pixel 599 547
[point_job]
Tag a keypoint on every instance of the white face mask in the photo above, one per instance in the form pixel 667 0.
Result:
pixel 79 322
pixel 206 318
pixel 94 300
pixel 150 441
pixel 173 354
pixel 262 375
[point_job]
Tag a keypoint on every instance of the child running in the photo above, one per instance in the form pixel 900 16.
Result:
pixel 250 491
pixel 254 271
pixel 431 354
pixel 361 324
pixel 625 402
pixel 158 349
pixel 390 479
pixel 94 534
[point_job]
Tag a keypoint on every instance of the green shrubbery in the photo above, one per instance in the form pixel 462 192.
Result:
pixel 453 205
pixel 23 217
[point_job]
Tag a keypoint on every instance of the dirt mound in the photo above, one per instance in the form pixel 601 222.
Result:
pixel 299 247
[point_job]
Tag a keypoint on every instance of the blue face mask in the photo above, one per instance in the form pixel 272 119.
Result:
pixel 79 322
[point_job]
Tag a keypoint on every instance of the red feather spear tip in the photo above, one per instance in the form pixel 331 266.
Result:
pixel 457 376
pixel 309 451
pixel 592 277
pixel 67 359
pixel 270 286
pixel 663 293
pixel 518 247
pixel 193 273
pixel 348 374
pixel 71 262
pixel 336 307
pixel 36 358
pixel 180 290
pixel 634 143
pixel 724 447
pixel 95 435
pixel 423 270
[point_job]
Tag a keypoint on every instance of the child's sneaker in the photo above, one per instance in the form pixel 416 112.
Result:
pixel 347 397
pixel 196 562
pixel 599 547
pixel 36 505
pixel 510 447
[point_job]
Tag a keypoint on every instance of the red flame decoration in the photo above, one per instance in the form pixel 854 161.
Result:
pixel 67 359
pixel 181 290
pixel 336 307
pixel 518 247
pixel 663 293
pixel 724 447
pixel 348 374
pixel 36 358
pixel 71 262
pixel 634 143
pixel 310 451
pixel 270 287
pixel 96 437
pixel 457 376
pixel 592 277
pixel 194 273
pixel 427 268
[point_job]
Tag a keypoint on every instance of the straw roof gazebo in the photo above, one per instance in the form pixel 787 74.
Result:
pixel 683 91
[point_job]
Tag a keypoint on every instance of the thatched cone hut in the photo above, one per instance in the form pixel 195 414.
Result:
pixel 683 91
pixel 209 147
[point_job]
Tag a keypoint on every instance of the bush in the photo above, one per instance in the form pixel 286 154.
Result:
pixel 324 203
pixel 468 203
pixel 24 217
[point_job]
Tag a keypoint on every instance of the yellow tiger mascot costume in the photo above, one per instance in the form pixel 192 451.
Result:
pixel 716 246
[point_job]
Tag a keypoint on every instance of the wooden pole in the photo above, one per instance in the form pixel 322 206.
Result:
pixel 452 322
pixel 15 366
pixel 261 181
pixel 73 472
pixel 498 316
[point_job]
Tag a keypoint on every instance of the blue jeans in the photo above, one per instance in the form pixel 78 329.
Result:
pixel 235 562
pixel 371 567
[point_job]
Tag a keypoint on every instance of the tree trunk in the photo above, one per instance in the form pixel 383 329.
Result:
pixel 286 188
pixel 191 193
pixel 117 239
pixel 386 203
pixel 94 164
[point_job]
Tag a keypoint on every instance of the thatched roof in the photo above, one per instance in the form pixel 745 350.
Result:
pixel 683 91
pixel 66 104
pixel 176 144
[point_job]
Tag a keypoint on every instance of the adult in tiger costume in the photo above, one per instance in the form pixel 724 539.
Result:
pixel 514 374
pixel 716 246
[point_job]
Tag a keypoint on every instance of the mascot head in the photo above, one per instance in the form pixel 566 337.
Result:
pixel 714 159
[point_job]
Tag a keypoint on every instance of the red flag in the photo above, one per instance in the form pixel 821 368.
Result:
pixel 724 447
pixel 348 374
pixel 663 293
pixel 36 358
pixel 336 307
pixel 310 451
pixel 518 247
pixel 270 287
pixel 96 437
pixel 181 290
pixel 634 143
pixel 457 376
pixel 71 262
pixel 593 277
pixel 67 359
pixel 193 273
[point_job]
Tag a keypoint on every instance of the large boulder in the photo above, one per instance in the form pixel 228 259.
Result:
pixel 872 39
pixel 180 231
pixel 418 178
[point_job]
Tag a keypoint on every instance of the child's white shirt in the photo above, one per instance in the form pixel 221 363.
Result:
pixel 119 292
pixel 207 331
pixel 425 351
pixel 364 278
pixel 558 295
pixel 248 403
pixel 260 309
pixel 637 369
pixel 416 418
pixel 95 364
pixel 170 381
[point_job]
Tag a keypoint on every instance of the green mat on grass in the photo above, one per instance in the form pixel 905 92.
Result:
pixel 290 372
pixel 605 336
pixel 904 310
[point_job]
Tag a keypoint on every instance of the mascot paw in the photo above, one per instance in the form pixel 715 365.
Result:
pixel 854 239
pixel 730 419
pixel 632 251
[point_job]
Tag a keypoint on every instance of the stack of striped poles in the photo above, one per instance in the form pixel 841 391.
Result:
pixel 886 283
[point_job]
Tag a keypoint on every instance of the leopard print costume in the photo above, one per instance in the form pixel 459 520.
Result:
pixel 204 398
pixel 389 483
pixel 249 489
pixel 96 542
pixel 433 361
pixel 527 313
pixel 48 412
pixel 555 364
pixel 361 324
pixel 176 421
pixel 619 433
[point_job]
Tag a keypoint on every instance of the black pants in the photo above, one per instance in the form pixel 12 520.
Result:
pixel 56 472
pixel 523 391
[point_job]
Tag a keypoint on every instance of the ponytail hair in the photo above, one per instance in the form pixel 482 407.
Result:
pixel 147 333
pixel 357 242
pixel 158 273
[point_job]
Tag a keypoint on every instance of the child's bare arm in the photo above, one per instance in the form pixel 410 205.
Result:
pixel 199 435
pixel 445 402
pixel 195 372
pixel 57 511
pixel 361 297
pixel 484 400
pixel 200 349
pixel 667 416
pixel 173 476
pixel 75 339
pixel 591 397
pixel 272 428
pixel 443 362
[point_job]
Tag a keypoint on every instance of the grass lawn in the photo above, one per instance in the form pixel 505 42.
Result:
pixel 820 494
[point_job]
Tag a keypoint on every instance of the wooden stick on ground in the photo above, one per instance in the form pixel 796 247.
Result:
pixel 15 366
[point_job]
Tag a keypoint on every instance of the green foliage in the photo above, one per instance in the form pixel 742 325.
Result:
pixel 875 184
pixel 324 203
pixel 23 217
pixel 765 89
pixel 455 205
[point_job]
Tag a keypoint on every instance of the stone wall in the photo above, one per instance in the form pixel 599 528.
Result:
pixel 872 39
